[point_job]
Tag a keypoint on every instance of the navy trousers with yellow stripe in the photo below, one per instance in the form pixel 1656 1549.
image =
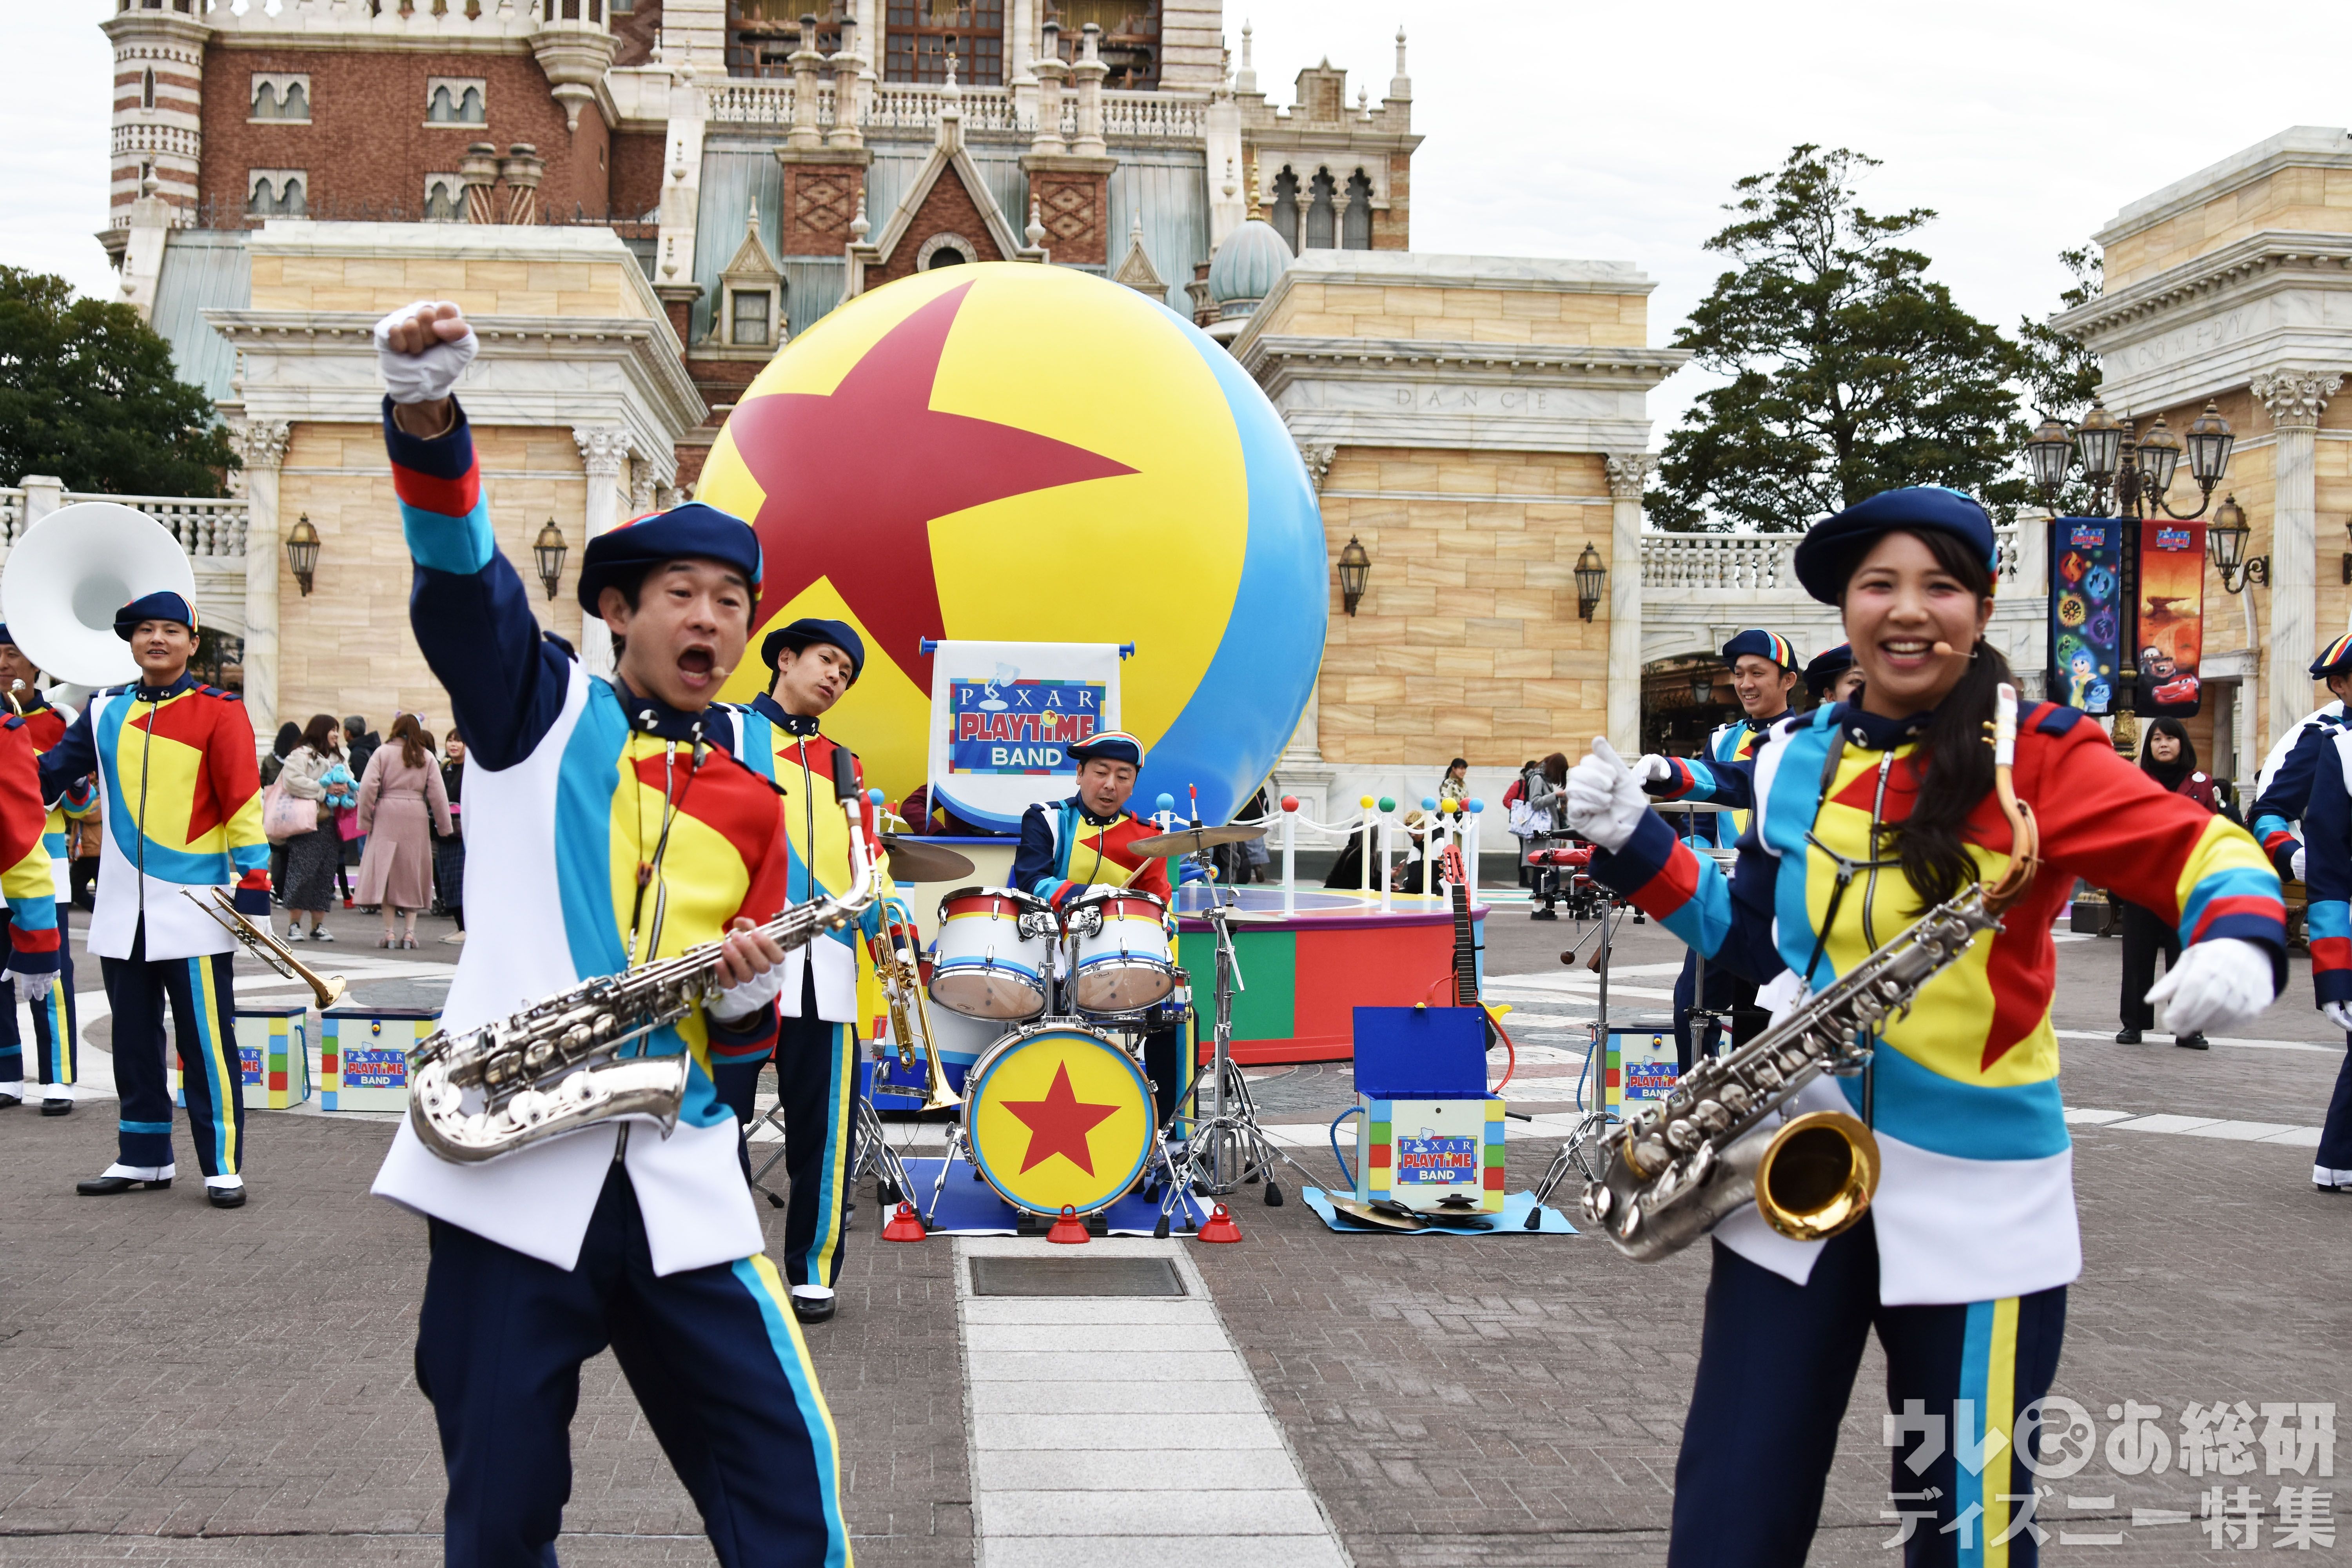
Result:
pixel 816 1083
pixel 1777 1363
pixel 56 1044
pixel 202 1003
pixel 713 1355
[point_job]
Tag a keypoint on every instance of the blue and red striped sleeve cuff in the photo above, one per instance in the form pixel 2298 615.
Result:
pixel 748 1038
pixel 2329 925
pixel 439 485
pixel 1670 883
pixel 1681 780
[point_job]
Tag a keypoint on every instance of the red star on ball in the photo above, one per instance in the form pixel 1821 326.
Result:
pixel 1058 1125
pixel 853 482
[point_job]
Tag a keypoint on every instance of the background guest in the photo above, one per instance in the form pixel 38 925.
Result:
pixel 315 771
pixel 402 807
pixel 360 745
pixel 1455 784
pixel 289 735
pixel 2169 757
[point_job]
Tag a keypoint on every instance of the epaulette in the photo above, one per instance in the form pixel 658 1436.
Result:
pixel 2049 718
pixel 15 722
pixel 220 692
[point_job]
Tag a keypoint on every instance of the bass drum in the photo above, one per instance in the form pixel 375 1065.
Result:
pixel 990 958
pixel 1058 1116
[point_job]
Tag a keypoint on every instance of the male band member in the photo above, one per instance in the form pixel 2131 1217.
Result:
pixel 1763 672
pixel 815 662
pixel 1069 846
pixel 604 828
pixel 56 1019
pixel 183 811
pixel 2282 789
pixel 1832 676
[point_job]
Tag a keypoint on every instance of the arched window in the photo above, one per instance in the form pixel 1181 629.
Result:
pixel 297 102
pixel 469 108
pixel 1321 213
pixel 947 256
pixel 147 89
pixel 264 98
pixel 290 198
pixel 1285 216
pixel 441 109
pixel 1356 222
pixel 260 201
pixel 444 201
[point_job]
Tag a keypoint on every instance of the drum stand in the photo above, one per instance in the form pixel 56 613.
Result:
pixel 871 1154
pixel 1227 1147
pixel 1580 1154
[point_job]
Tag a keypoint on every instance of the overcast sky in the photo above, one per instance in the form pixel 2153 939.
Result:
pixel 1605 130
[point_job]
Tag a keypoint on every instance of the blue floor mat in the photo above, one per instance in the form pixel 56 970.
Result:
pixel 1512 1221
pixel 970 1207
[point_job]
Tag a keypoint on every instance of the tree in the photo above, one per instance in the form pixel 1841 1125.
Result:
pixel 2061 377
pixel 1851 372
pixel 88 393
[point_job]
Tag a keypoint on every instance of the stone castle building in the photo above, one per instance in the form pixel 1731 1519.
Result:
pixel 640 201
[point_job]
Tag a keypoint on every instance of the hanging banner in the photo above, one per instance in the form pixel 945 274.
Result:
pixel 1003 717
pixel 2170 617
pixel 2086 612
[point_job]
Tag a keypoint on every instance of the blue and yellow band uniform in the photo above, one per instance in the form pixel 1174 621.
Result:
pixel 57 1037
pixel 612 1236
pixel 816 1049
pixel 183 813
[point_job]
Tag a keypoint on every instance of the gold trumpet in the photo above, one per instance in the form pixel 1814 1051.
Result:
pixel 910 1017
pixel 263 943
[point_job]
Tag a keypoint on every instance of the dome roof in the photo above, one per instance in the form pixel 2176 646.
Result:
pixel 1245 267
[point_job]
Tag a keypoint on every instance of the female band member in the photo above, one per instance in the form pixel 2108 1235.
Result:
pixel 1866 815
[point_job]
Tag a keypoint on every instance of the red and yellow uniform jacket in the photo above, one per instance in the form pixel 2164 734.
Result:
pixel 1063 850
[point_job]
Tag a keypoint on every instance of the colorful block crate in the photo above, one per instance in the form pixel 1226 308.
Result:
pixel 363 1056
pixel 1417 1152
pixel 273 1051
pixel 1641 1063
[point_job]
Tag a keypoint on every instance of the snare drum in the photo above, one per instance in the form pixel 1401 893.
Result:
pixel 1056 1117
pixel 990 956
pixel 1119 950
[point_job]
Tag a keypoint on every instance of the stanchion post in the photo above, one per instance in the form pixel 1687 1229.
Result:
pixel 1431 833
pixel 1387 846
pixel 1470 824
pixel 1364 861
pixel 1290 855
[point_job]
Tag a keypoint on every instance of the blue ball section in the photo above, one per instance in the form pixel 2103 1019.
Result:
pixel 1165 803
pixel 875 796
pixel 1476 804
pixel 1427 804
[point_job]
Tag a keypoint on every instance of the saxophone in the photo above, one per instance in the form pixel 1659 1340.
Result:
pixel 1684 1165
pixel 557 1065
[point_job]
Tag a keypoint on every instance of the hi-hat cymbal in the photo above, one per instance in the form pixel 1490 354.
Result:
pixel 1191 840
pixel 911 860
pixel 1389 1217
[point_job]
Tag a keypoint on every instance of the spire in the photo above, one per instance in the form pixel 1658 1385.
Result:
pixel 1401 85
pixel 1254 215
pixel 1246 81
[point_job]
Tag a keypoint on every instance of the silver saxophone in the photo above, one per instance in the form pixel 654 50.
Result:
pixel 1684 1165
pixel 556 1066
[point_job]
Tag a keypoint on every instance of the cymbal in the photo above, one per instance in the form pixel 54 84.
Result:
pixel 912 860
pixel 1387 1218
pixel 1190 840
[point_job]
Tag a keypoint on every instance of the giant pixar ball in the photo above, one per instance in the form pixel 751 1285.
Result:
pixel 1032 454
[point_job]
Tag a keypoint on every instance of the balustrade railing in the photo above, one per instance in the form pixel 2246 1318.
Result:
pixel 747 100
pixel 209 528
pixel 1753 562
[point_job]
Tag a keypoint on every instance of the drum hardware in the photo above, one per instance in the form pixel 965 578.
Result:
pixel 1580 1154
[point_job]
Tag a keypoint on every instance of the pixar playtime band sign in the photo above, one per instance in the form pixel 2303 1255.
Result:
pixel 1003 717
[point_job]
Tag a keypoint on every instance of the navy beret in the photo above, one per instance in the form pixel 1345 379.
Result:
pixel 1824 550
pixel 4 637
pixel 1827 666
pixel 1110 746
pixel 693 531
pixel 1764 644
pixel 2334 659
pixel 161 605
pixel 809 629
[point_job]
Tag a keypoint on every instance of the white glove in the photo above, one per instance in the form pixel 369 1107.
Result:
pixel 1653 769
pixel 421 377
pixel 1605 802
pixel 2217 984
pixel 32 988
pixel 2339 1014
pixel 2296 865
pixel 737 1002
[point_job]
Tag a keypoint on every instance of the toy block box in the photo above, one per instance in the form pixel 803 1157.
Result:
pixel 363 1056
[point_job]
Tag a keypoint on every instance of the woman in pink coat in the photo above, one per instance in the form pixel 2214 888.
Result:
pixel 402 805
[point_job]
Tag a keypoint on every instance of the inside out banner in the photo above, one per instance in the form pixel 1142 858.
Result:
pixel 1003 717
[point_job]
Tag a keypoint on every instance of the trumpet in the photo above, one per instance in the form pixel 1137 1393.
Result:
pixel 910 1017
pixel 1674 1172
pixel 263 943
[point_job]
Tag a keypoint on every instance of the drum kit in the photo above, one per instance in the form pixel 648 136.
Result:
pixel 1056 1114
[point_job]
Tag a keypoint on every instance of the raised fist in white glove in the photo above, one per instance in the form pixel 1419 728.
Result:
pixel 2217 984
pixel 1653 769
pixel 2296 865
pixel 2339 1014
pixel 1604 801
pixel 422 349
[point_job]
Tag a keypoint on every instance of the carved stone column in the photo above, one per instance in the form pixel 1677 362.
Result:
pixel 602 448
pixel 1627 473
pixel 2294 399
pixel 262 445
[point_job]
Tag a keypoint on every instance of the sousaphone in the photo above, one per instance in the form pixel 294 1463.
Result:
pixel 68 575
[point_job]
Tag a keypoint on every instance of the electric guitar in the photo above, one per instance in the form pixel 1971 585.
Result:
pixel 1465 953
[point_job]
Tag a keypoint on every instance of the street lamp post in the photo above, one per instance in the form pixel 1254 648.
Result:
pixel 2139 469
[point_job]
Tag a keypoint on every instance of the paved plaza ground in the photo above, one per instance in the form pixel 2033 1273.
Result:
pixel 182 1385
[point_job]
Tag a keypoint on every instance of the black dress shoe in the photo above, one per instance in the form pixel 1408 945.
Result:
pixel 9 1098
pixel 815 1308
pixel 2192 1042
pixel 225 1197
pixel 109 1186
pixel 2323 1187
pixel 2126 1036
pixel 57 1108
